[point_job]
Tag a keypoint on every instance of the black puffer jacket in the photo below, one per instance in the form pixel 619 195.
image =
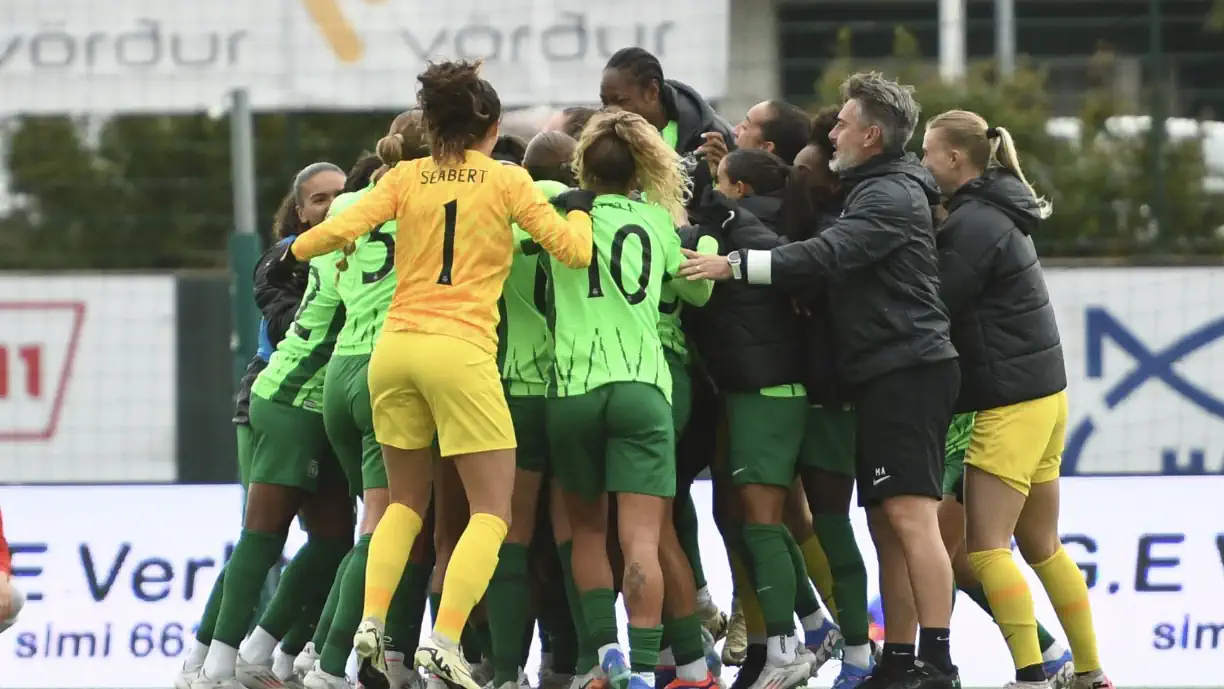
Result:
pixel 821 378
pixel 880 261
pixel 694 117
pixel 277 302
pixel 991 281
pixel 748 336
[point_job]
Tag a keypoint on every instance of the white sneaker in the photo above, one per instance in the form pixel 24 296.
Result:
pixel 1027 685
pixel 253 676
pixel 305 661
pixel 714 620
pixel 433 681
pixel 187 675
pixel 736 646
pixel 446 661
pixel 523 682
pixel 784 676
pixel 202 682
pixel 370 645
pixel 317 679
pixel 400 672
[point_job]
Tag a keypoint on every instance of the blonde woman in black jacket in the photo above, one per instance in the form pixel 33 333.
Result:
pixel 1012 375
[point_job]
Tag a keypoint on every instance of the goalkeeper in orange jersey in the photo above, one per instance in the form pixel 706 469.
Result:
pixel 434 369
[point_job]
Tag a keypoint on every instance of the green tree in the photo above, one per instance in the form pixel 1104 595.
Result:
pixel 1100 181
pixel 153 192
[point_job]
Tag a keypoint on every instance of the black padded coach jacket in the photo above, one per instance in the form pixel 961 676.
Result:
pixel 991 281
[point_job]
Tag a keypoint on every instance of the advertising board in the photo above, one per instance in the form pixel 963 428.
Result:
pixel 186 56
pixel 117 576
pixel 88 389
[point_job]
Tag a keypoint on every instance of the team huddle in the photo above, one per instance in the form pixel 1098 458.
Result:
pixel 524 384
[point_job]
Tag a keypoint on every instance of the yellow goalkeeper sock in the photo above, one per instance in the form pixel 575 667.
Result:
pixel 1064 584
pixel 389 549
pixel 817 564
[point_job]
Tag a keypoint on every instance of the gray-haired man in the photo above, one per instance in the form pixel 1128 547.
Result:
pixel 891 331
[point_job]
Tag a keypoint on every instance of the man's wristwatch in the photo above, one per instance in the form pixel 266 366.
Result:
pixel 735 259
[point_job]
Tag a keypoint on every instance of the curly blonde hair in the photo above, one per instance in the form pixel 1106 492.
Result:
pixel 621 149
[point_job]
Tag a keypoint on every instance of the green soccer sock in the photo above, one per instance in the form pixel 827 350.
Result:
pixel 329 606
pixel 773 575
pixel 509 603
pixel 684 638
pixel 408 607
pixel 301 632
pixel 644 648
pixel 556 625
pixel 806 602
pixel 1044 639
pixel 212 607
pixel 587 656
pixel 254 554
pixel 836 536
pixel 311 569
pixel 333 656
pixel 688 531
pixel 599 614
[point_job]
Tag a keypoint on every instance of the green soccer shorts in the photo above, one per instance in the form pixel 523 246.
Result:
pixel 289 447
pixel 617 438
pixel 350 423
pixel 828 440
pixel 245 450
pixel 765 435
pixel 682 391
pixel 530 417
pixel 959 433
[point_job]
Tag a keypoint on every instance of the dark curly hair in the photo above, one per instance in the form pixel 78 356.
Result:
pixel 458 106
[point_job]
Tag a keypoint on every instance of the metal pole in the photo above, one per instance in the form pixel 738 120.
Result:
pixel 1159 110
pixel 1005 37
pixel 244 240
pixel 952 40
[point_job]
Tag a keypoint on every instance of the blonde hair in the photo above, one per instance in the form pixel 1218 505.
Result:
pixel 621 148
pixel 406 140
pixel 985 146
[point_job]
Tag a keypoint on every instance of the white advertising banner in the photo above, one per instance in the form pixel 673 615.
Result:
pixel 117 577
pixel 1144 350
pixel 87 379
pixel 164 56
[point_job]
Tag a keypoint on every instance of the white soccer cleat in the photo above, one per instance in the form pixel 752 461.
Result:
pixel 784 676
pixel 187 675
pixel 446 662
pixel 305 661
pixel 736 646
pixel 317 679
pixel 257 676
pixel 202 682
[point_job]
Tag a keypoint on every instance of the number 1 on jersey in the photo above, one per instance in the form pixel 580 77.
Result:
pixel 451 209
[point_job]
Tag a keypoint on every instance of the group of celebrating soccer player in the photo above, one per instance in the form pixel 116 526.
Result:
pixel 635 296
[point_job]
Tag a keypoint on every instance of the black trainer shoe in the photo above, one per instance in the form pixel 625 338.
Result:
pixel 750 670
pixel 926 676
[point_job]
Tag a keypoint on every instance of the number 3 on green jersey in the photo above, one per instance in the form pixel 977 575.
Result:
pixel 605 318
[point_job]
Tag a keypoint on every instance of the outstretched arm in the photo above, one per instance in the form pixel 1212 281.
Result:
pixel 374 208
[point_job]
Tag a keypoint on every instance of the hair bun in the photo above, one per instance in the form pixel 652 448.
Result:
pixel 390 149
pixel 992 133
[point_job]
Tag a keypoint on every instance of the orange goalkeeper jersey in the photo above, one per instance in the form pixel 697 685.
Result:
pixel 454 245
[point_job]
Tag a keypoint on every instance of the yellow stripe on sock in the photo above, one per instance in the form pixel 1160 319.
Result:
pixel 389 549
pixel 468 573
pixel 1064 584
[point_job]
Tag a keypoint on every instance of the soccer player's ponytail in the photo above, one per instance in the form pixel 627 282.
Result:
pixel 458 106
pixel 286 222
pixel 622 150
pixel 405 141
pixel 985 146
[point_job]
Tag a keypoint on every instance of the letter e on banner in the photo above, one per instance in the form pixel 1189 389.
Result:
pixel 38 343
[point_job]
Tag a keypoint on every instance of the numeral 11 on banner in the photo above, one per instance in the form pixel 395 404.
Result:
pixel 24 363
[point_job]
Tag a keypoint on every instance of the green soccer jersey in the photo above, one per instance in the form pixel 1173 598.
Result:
pixel 295 372
pixel 959 432
pixel 675 294
pixel 366 285
pixel 605 319
pixel 524 354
